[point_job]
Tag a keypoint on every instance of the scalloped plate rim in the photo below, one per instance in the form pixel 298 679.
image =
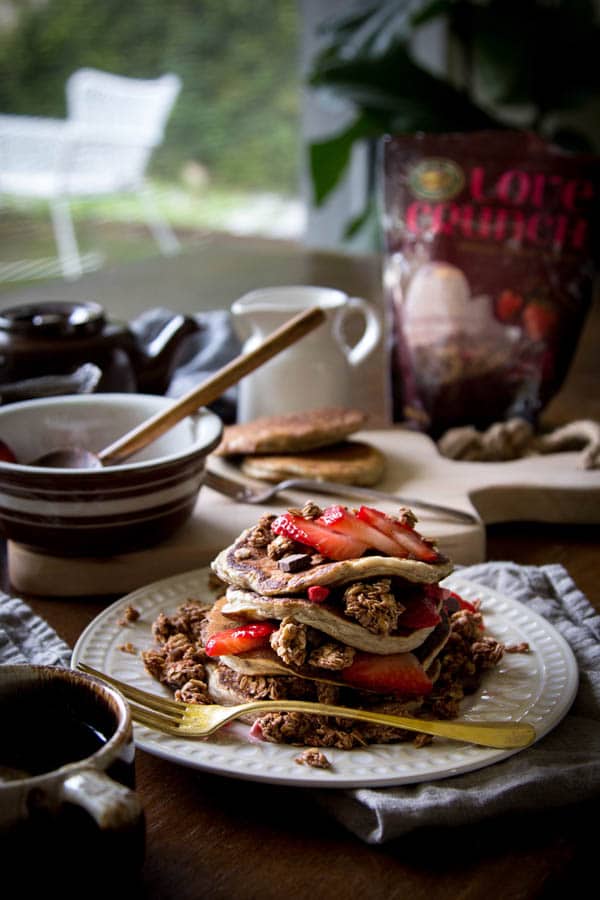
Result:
pixel 230 752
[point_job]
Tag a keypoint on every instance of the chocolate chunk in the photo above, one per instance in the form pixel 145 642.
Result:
pixel 294 562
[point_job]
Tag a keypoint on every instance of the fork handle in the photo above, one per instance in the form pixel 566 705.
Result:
pixel 501 735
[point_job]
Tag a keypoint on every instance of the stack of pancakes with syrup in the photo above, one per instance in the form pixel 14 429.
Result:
pixel 310 444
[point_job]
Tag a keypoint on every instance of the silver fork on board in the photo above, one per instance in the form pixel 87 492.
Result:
pixel 195 720
pixel 245 494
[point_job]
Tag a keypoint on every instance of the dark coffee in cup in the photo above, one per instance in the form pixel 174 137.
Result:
pixel 64 728
pixel 67 805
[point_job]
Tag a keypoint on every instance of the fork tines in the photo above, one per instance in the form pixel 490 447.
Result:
pixel 145 698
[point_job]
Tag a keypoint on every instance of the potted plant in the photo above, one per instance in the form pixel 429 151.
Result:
pixel 529 64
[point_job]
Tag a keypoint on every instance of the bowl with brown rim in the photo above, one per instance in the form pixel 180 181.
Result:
pixel 99 512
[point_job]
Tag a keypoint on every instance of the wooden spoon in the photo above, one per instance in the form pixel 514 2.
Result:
pixel 151 429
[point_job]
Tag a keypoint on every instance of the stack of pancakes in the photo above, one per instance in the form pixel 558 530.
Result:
pixel 339 606
pixel 346 630
pixel 310 444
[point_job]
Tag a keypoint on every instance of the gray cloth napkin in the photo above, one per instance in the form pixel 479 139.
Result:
pixel 562 768
pixel 26 638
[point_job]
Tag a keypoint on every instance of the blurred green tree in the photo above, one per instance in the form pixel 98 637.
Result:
pixel 238 111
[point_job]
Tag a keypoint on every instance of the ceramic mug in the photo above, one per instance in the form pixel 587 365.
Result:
pixel 314 372
pixel 67 776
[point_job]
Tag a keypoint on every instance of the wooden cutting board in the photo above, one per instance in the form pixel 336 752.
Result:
pixel 551 488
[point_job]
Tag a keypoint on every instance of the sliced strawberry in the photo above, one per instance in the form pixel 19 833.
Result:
pixel 236 640
pixel 398 673
pixel 420 612
pixel 318 593
pixel 330 543
pixel 341 519
pixel 409 539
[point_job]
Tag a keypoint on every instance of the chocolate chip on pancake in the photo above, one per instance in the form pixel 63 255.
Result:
pixel 348 462
pixel 291 433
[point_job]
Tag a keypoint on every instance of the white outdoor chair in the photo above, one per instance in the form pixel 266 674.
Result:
pixel 103 147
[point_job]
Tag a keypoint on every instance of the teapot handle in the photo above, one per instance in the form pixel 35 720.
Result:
pixel 371 333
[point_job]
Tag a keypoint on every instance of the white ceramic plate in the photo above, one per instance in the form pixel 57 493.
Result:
pixel 538 687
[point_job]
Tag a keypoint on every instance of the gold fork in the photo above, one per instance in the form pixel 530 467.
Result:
pixel 198 720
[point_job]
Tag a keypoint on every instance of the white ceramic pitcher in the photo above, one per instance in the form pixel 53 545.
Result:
pixel 314 372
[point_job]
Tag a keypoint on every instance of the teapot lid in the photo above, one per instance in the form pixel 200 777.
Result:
pixel 51 317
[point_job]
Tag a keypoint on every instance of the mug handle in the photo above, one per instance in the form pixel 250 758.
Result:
pixel 370 336
pixel 111 805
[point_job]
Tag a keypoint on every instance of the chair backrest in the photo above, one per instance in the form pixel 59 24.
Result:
pixel 106 101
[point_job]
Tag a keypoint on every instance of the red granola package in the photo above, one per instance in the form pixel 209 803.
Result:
pixel 491 252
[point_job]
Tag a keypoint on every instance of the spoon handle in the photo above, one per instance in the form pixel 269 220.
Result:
pixel 209 390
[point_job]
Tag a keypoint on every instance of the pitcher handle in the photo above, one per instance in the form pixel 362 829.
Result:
pixel 370 336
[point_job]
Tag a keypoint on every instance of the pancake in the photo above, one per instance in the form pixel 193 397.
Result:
pixel 327 618
pixel 291 433
pixel 245 565
pixel 349 462
pixel 264 661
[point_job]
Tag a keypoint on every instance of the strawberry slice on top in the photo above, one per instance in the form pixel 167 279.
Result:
pixel 406 537
pixel 313 533
pixel 339 518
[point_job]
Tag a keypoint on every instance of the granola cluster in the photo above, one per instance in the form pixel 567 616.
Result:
pixel 177 659
pixel 373 605
pixel 299 645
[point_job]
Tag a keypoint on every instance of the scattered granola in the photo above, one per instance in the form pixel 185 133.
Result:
pixel 128 648
pixel 130 615
pixel 313 757
pixel 194 691
pixel 178 656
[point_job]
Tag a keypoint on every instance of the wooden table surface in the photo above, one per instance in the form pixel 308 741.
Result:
pixel 214 837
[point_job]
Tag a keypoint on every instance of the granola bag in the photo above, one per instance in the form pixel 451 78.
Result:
pixel 491 248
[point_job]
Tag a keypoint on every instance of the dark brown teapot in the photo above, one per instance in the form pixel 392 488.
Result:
pixel 55 337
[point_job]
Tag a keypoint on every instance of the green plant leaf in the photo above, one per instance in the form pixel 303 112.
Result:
pixel 394 85
pixel 367 33
pixel 329 159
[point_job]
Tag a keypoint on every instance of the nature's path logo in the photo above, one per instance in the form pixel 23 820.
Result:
pixel 436 178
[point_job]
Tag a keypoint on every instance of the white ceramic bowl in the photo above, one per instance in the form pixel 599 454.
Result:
pixel 99 512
